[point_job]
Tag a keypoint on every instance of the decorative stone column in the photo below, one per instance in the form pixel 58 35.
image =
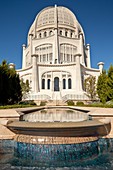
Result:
pixel 101 65
pixel 46 82
pixel 30 36
pixel 60 81
pixel 82 48
pixel 66 81
pixel 51 84
pixel 23 58
pixel 35 77
pixel 78 74
pixel 88 56
pixel 63 32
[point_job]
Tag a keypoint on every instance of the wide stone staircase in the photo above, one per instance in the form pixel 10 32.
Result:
pixel 56 103
pixel 57 100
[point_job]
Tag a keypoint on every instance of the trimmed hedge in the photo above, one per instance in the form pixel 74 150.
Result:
pixel 43 103
pixel 79 103
pixel 70 103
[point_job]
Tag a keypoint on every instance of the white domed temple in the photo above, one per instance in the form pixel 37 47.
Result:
pixel 56 60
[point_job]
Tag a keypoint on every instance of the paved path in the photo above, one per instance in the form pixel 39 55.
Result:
pixel 8 113
pixel 96 111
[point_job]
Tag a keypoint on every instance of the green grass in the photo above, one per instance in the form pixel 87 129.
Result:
pixel 16 106
pixel 21 104
pixel 100 105
pixel 97 105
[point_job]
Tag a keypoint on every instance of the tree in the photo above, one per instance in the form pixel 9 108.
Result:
pixel 110 82
pixel 25 88
pixel 10 89
pixel 90 87
pixel 4 90
pixel 15 89
pixel 102 87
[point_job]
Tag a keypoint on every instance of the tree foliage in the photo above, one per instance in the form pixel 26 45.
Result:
pixel 102 87
pixel 25 88
pixel 90 87
pixel 105 85
pixel 110 82
pixel 10 89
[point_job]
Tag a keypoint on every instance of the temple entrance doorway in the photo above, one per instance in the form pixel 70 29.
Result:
pixel 56 84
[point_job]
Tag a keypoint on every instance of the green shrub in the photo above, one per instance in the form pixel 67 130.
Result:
pixel 32 103
pixel 27 102
pixel 70 103
pixel 79 103
pixel 43 103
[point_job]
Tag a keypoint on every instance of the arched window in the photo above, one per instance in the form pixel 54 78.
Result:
pixel 60 32
pixel 45 34
pixel 69 83
pixel 56 84
pixel 40 35
pixel 55 61
pixel 48 83
pixel 43 83
pixel 50 33
pixel 71 34
pixel 66 33
pixel 64 83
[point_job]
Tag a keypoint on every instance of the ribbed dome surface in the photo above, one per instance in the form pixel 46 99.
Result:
pixel 64 16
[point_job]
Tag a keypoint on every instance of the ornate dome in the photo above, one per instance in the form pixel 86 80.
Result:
pixel 52 17
pixel 64 16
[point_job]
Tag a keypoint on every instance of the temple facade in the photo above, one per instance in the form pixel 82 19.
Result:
pixel 56 60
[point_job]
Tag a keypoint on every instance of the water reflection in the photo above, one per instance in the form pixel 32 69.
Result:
pixel 56 115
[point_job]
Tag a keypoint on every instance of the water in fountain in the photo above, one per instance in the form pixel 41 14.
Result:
pixel 39 155
pixel 56 157
pixel 56 115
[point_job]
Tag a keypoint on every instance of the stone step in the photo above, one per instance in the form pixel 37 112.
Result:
pixel 56 96
pixel 56 103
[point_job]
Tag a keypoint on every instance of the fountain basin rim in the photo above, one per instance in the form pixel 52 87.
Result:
pixel 86 123
pixel 69 129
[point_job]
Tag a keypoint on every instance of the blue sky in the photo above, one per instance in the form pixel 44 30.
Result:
pixel 95 16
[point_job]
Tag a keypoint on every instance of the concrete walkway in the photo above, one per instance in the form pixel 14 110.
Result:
pixel 97 111
pixel 8 113
pixel 5 115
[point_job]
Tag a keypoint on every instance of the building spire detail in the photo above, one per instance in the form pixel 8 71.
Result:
pixel 56 47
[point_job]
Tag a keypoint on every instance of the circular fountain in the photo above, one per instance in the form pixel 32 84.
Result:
pixel 57 135
pixel 59 122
